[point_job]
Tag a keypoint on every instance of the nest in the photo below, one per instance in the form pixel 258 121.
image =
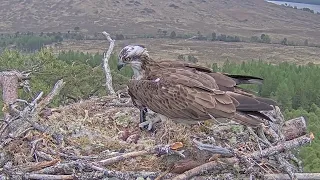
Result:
pixel 100 138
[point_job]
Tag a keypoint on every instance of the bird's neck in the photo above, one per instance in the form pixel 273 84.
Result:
pixel 147 62
pixel 140 67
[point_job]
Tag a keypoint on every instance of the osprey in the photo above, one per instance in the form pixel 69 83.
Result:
pixel 190 93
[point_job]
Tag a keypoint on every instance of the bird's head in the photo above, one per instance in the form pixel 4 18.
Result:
pixel 132 55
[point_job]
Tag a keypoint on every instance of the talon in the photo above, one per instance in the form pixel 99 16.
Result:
pixel 143 121
pixel 147 121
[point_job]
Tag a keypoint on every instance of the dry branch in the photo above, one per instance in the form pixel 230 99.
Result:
pixel 28 117
pixel 214 165
pixel 287 145
pixel 48 176
pixel 9 81
pixel 294 128
pixel 159 150
pixel 300 176
pixel 38 166
pixel 55 91
pixel 205 168
pixel 123 157
pixel 106 57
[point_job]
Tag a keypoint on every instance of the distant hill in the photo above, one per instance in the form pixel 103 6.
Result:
pixel 244 18
pixel 317 2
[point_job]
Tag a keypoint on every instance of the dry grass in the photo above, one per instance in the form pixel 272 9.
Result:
pixel 244 18
pixel 208 52
pixel 92 129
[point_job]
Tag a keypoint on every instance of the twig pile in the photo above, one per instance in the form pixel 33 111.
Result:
pixel 100 138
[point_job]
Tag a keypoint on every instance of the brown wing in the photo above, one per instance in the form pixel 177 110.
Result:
pixel 226 82
pixel 180 96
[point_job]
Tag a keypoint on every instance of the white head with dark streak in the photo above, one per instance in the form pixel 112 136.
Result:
pixel 131 55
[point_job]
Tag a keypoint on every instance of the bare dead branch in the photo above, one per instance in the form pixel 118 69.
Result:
pixel 55 91
pixel 159 150
pixel 300 176
pixel 213 149
pixel 123 157
pixel 300 141
pixel 214 165
pixel 28 117
pixel 67 168
pixel 47 176
pixel 205 168
pixel 294 128
pixel 106 57
pixel 37 166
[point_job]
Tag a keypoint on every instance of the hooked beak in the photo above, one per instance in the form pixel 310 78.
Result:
pixel 120 65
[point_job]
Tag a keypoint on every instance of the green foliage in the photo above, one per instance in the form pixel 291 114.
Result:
pixel 76 28
pixel 254 39
pixel 303 1
pixel 119 37
pixel 286 79
pixel 265 38
pixel 296 90
pixel 303 9
pixel 213 36
pixel 83 73
pixel 189 58
pixel 173 35
pixel 27 42
pixel 284 41
pixel 72 57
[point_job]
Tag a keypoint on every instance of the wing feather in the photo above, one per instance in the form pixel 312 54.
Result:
pixel 194 93
pixel 177 98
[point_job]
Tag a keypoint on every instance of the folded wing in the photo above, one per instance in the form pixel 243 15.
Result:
pixel 194 95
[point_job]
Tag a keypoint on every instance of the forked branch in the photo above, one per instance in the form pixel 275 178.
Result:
pixel 106 57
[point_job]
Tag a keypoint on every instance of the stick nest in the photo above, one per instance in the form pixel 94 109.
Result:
pixel 74 140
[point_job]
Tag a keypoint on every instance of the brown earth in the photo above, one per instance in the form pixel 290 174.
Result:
pixel 207 52
pixel 243 18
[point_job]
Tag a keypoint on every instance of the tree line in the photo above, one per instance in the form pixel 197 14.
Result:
pixel 32 42
pixel 295 88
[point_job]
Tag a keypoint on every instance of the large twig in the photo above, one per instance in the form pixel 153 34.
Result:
pixel 205 168
pixel 29 115
pixel 300 176
pixel 300 141
pixel 294 128
pixel 106 57
pixel 67 168
pixel 159 150
pixel 9 83
pixel 123 157
pixel 55 91
pixel 254 155
pixel 47 176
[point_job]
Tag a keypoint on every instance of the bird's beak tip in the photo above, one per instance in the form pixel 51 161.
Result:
pixel 120 66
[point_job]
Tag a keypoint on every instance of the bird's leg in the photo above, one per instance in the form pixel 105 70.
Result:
pixel 149 119
pixel 143 112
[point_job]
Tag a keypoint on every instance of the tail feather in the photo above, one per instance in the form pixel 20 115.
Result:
pixel 257 114
pixel 247 103
pixel 244 79
pixel 267 101
pixel 247 120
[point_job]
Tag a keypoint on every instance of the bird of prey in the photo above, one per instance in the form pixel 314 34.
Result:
pixel 190 93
